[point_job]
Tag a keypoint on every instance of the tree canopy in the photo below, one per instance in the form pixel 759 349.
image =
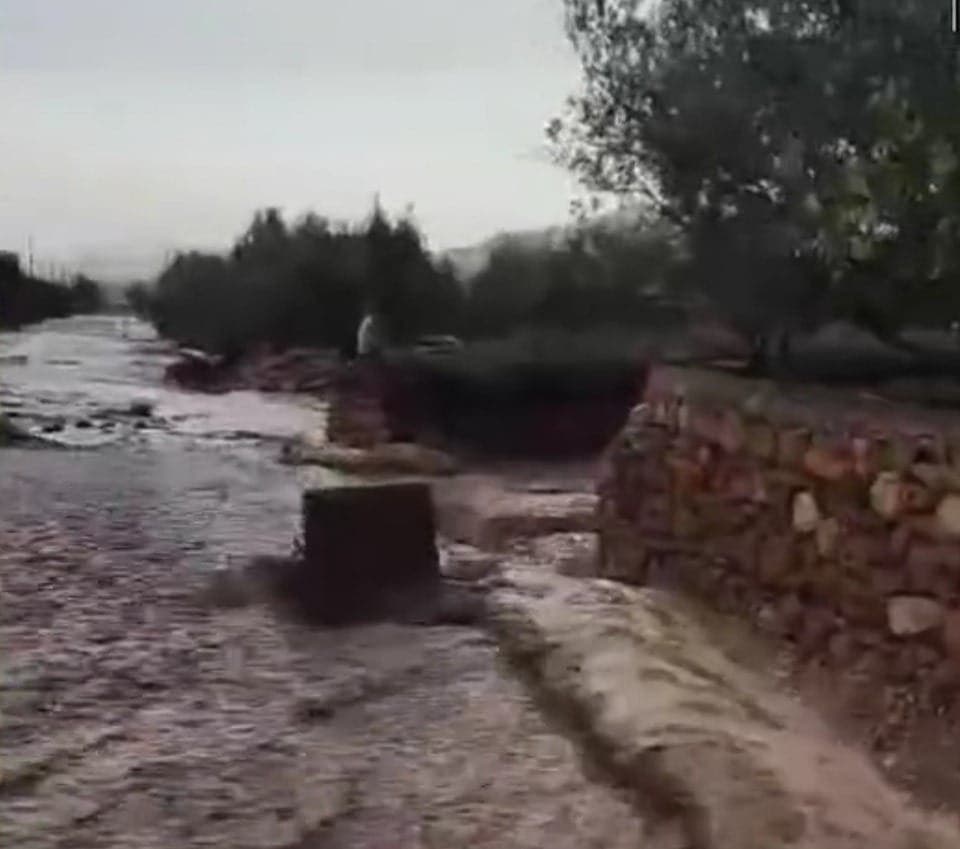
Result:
pixel 808 149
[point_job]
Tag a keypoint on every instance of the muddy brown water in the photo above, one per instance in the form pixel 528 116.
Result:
pixel 131 715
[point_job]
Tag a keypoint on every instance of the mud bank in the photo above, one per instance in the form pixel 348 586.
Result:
pixel 713 754
pixel 305 370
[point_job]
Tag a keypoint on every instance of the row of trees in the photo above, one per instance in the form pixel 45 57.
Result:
pixel 308 284
pixel 808 150
pixel 25 299
pixel 302 285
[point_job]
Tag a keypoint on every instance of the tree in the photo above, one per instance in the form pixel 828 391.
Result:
pixel 304 284
pixel 86 294
pixel 792 140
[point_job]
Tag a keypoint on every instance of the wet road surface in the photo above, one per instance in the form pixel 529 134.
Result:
pixel 135 714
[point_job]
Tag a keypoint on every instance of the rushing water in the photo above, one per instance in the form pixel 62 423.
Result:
pixel 198 478
pixel 81 369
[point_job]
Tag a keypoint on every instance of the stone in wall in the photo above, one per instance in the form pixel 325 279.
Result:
pixel 908 616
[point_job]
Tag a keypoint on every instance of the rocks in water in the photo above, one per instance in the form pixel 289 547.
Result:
pixel 257 580
pixel 14 434
pixel 141 409
pixel 466 563
pixel 912 615
pixel 195 370
pixel 573 554
pixel 367 550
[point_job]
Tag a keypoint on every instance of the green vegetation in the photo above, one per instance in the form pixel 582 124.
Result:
pixel 305 285
pixel 25 299
pixel 799 161
pixel 308 285
pixel 808 150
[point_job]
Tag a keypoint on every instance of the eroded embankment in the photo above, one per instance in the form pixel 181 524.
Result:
pixel 706 747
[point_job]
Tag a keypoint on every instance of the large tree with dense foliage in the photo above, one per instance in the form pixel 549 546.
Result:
pixel 808 148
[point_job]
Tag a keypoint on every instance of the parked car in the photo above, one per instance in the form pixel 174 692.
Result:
pixel 438 344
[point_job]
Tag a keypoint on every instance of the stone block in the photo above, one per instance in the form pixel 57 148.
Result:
pixel 908 616
pixel 885 495
pixel 364 548
pixel 806 513
pixel 948 516
pixel 935 477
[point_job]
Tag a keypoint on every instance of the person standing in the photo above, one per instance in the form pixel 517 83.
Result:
pixel 370 337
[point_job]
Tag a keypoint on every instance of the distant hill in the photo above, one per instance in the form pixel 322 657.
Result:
pixel 469 261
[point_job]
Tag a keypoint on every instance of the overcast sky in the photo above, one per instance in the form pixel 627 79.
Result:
pixel 131 127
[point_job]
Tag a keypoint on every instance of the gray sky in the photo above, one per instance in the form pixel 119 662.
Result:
pixel 132 127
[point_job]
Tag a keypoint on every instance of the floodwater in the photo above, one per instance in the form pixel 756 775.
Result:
pixel 201 469
pixel 133 713
pixel 83 368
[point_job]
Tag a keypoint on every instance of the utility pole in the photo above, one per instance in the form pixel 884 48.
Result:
pixel 30 256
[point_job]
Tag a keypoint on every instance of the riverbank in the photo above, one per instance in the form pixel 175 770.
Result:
pixel 303 370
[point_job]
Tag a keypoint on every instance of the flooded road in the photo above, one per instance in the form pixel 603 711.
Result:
pixel 197 479
pixel 83 369
pixel 133 713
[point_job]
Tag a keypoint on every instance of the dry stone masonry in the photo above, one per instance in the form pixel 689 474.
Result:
pixel 828 520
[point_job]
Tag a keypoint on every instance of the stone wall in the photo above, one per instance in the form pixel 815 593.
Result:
pixel 356 415
pixel 828 519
